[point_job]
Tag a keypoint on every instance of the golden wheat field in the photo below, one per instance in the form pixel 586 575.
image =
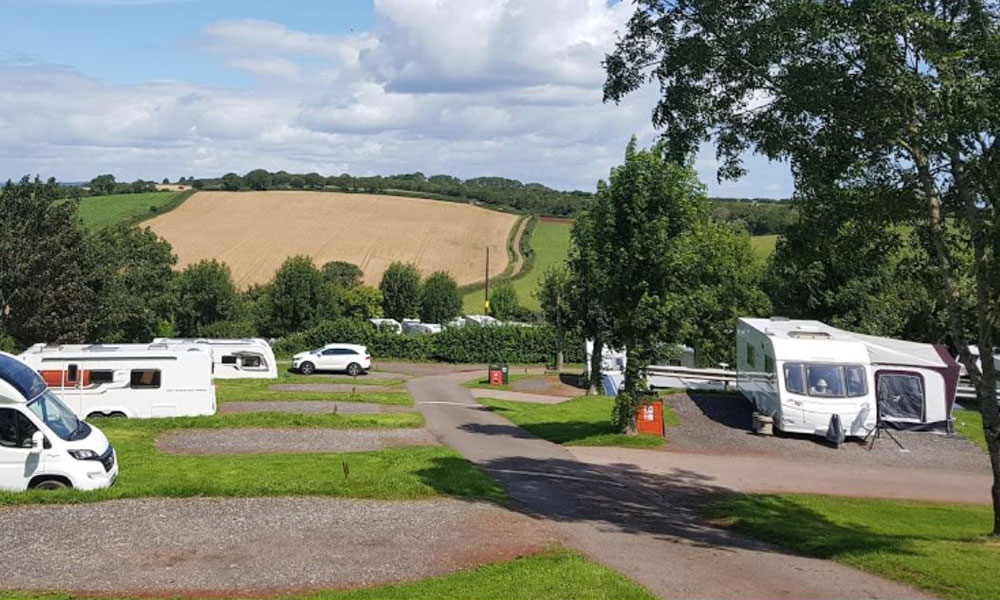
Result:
pixel 254 232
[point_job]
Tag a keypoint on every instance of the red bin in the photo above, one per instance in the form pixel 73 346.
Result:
pixel 649 418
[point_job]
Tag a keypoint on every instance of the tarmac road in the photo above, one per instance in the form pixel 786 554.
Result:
pixel 642 524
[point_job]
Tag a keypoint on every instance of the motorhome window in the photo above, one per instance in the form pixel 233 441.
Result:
pixel 857 381
pixel 751 356
pixel 15 429
pixel 795 381
pixel 825 381
pixel 72 371
pixel 768 364
pixel 251 362
pixel 58 417
pixel 97 377
pixel 229 360
pixel 145 378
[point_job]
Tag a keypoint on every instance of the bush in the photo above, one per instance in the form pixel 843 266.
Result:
pixel 400 289
pixel 440 300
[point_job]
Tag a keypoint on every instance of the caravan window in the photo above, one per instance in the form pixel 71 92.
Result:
pixel 826 381
pixel 252 361
pixel 768 364
pixel 229 360
pixel 145 378
pixel 751 356
pixel 857 384
pixel 795 381
pixel 98 377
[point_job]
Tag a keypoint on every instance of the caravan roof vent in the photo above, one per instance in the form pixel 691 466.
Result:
pixel 778 318
pixel 809 334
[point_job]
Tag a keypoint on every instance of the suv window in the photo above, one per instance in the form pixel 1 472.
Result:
pixel 15 429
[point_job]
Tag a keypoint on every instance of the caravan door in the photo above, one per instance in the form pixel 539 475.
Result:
pixel 901 396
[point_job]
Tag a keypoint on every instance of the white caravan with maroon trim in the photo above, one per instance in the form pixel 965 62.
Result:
pixel 804 373
pixel 248 358
pixel 43 445
pixel 140 381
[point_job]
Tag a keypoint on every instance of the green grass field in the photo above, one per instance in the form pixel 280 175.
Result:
pixel 940 548
pixel 233 390
pixel 97 212
pixel 550 243
pixel 764 245
pixel 554 574
pixel 584 421
pixel 484 383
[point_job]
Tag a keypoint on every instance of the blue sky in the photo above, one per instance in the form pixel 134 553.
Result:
pixel 157 88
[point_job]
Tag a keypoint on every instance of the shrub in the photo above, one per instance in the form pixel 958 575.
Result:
pixel 440 300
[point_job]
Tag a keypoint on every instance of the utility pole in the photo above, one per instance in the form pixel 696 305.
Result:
pixel 486 297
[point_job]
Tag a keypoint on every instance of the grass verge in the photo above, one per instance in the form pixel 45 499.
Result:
pixel 555 574
pixel 413 472
pixel 969 424
pixel 235 390
pixel 940 548
pixel 484 383
pixel 584 421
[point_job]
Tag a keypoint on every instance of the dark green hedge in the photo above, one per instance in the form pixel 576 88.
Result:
pixel 460 344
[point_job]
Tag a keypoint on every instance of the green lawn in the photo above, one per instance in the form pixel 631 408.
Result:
pixel 937 547
pixel 763 245
pixel 554 574
pixel 413 472
pixel 550 243
pixel 969 424
pixel 97 212
pixel 233 390
pixel 484 382
pixel 584 421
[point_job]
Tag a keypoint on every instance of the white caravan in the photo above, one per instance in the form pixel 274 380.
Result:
pixel 809 376
pixel 248 358
pixel 128 380
pixel 43 445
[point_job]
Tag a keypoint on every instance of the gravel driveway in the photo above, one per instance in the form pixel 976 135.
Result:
pixel 720 424
pixel 260 441
pixel 258 546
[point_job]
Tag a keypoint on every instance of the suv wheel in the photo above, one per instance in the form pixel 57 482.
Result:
pixel 354 369
pixel 307 368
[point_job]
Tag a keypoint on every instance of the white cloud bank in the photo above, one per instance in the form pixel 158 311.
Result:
pixel 465 87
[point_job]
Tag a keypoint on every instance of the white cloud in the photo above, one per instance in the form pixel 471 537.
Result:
pixel 467 87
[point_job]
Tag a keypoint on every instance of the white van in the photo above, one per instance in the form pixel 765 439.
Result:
pixel 43 445
pixel 140 381
pixel 248 358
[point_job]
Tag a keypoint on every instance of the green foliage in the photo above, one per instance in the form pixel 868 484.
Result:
pixel 342 274
pixel 258 180
pixel 231 182
pixel 504 303
pixel 45 267
pixel 440 300
pixel 299 297
pixel 103 185
pixel 361 302
pixel 205 295
pixel 937 547
pixel 132 278
pixel 553 293
pixel 585 421
pixel 400 287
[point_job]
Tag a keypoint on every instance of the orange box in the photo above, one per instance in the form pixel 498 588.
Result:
pixel 649 418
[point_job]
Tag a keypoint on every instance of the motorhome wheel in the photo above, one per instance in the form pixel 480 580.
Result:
pixel 51 484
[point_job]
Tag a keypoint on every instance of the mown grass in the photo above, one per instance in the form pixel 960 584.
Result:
pixel 584 421
pixel 554 574
pixel 969 424
pixel 940 548
pixel 98 212
pixel 235 390
pixel 484 382
pixel 764 245
pixel 413 472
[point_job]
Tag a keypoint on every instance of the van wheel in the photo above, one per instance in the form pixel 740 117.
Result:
pixel 354 369
pixel 307 368
pixel 95 415
pixel 51 484
pixel 117 415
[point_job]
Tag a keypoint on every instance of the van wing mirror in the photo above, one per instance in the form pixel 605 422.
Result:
pixel 37 442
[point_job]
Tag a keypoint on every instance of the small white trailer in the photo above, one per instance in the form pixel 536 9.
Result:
pixel 247 358
pixel 815 379
pixel 128 380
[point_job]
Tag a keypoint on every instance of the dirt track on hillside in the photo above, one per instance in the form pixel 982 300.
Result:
pixel 254 232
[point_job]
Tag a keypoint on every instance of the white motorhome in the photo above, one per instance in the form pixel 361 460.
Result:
pixel 248 358
pixel 804 373
pixel 128 380
pixel 43 445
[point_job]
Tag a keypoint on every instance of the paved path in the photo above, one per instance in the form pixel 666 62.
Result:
pixel 774 475
pixel 641 524
pixel 517 396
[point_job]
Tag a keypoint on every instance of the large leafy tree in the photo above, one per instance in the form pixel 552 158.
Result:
pixel 400 287
pixel 45 266
pixel 299 297
pixel 588 273
pixel 900 97
pixel 132 277
pixel 205 295
pixel 440 300
pixel 504 303
pixel 553 293
pixel 342 274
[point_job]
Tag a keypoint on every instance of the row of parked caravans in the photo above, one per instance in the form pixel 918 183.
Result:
pixel 416 327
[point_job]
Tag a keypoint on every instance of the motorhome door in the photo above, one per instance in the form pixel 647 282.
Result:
pixel 901 397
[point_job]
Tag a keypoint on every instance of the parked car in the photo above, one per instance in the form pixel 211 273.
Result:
pixel 350 358
pixel 43 445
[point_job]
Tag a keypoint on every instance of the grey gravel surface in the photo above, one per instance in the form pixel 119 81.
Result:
pixel 332 388
pixel 305 408
pixel 259 546
pixel 259 441
pixel 720 424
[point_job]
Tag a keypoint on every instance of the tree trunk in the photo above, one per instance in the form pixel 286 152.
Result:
pixel 595 368
pixel 560 341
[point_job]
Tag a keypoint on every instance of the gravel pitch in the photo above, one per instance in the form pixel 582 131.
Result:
pixel 255 546
pixel 307 408
pixel 263 441
pixel 332 388
pixel 720 424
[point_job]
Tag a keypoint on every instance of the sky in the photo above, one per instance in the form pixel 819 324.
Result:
pixel 170 88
